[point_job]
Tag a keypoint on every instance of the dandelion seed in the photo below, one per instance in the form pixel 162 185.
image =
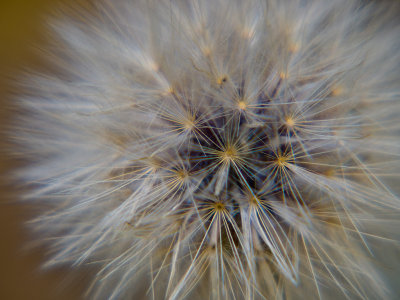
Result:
pixel 219 149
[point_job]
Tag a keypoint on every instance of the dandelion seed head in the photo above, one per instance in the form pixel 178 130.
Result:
pixel 218 149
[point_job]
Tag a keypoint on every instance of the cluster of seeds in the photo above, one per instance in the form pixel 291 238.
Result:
pixel 219 149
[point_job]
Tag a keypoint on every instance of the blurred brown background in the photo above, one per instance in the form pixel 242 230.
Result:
pixel 21 30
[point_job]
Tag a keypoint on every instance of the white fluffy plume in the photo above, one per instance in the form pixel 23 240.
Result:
pixel 218 149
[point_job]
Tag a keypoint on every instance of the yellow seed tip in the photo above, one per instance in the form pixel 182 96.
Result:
pixel 289 121
pixel 242 105
pixel 222 79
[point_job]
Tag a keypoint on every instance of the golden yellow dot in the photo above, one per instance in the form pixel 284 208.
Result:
pixel 289 121
pixel 206 51
pixel 242 105
pixel 283 75
pixel 281 160
pixel 221 80
pixel 182 174
pixel 330 173
pixel 128 223
pixel 219 206
pixel 337 91
pixel 229 154
pixel 188 125
pixel 254 200
pixel 171 90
